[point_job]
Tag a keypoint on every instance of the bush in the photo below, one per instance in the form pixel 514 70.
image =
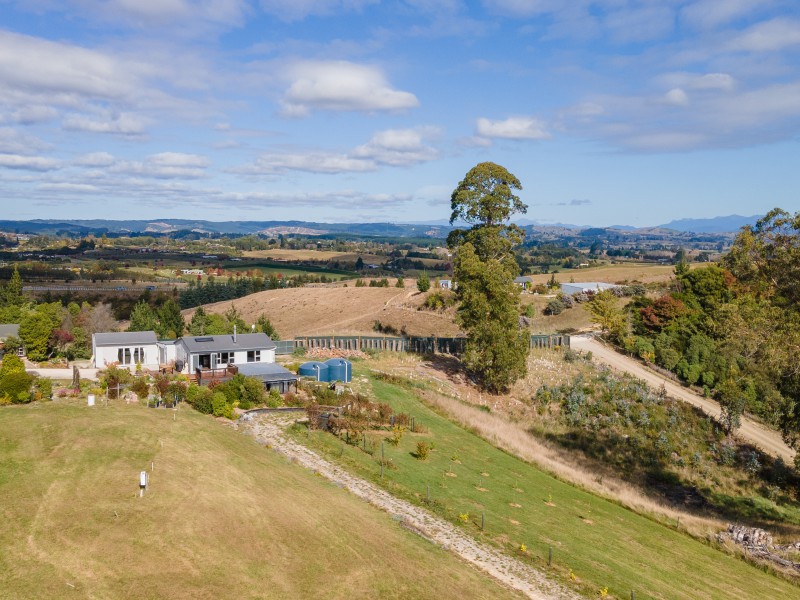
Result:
pixel 274 399
pixel 44 388
pixel 220 406
pixel 140 387
pixel 554 307
pixel 423 449
pixel 200 398
pixel 16 387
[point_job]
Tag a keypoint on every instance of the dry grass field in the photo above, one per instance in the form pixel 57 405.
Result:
pixel 616 273
pixel 223 517
pixel 287 254
pixel 341 310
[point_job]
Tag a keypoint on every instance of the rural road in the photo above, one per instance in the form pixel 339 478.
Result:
pixel 268 430
pixel 766 439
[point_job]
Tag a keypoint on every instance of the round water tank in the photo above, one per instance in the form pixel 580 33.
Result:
pixel 339 369
pixel 315 369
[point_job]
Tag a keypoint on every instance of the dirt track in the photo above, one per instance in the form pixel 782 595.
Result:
pixel 769 441
pixel 267 429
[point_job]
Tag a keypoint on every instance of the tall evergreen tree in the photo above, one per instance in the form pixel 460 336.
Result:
pixel 170 320
pixel 12 292
pixel 484 268
pixel 143 318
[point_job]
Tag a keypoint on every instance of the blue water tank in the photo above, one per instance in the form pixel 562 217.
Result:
pixel 339 369
pixel 315 369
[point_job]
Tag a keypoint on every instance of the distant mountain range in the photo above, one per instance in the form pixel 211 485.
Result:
pixel 713 225
pixel 436 229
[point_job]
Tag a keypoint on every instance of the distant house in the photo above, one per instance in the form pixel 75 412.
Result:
pixel 212 352
pixel 524 282
pixel 126 349
pixel 7 331
pixel 570 289
pixel 446 284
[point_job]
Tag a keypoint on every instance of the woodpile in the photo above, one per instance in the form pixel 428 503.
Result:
pixel 758 543
pixel 327 353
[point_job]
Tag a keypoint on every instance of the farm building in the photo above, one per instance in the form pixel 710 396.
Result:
pixel 126 349
pixel 272 375
pixel 524 282
pixel 570 289
pixel 446 284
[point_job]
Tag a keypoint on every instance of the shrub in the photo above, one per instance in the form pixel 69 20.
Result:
pixel 423 449
pixel 397 435
pixel 44 388
pixel 274 399
pixel 17 387
pixel 140 387
pixel 200 398
pixel 220 406
pixel 554 307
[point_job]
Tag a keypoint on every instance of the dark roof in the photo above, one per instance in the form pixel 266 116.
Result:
pixel 125 338
pixel 266 371
pixel 221 343
pixel 9 330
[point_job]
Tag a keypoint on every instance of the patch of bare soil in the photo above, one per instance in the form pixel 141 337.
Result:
pixel 268 430
pixel 338 310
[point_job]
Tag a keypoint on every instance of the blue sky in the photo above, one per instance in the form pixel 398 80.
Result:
pixel 608 111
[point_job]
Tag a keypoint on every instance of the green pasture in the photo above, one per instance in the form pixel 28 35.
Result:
pixel 596 543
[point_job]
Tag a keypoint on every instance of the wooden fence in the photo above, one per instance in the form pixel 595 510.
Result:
pixel 419 345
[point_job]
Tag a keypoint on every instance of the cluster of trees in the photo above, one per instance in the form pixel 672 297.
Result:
pixel 203 323
pixel 50 329
pixel 212 291
pixel 733 329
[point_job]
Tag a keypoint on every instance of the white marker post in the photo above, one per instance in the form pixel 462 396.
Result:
pixel 142 483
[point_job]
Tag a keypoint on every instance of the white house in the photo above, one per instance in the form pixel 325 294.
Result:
pixel 219 351
pixel 524 281
pixel 446 284
pixel 570 289
pixel 126 349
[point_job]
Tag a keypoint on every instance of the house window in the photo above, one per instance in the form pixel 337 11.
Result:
pixel 254 356
pixel 225 358
pixel 125 357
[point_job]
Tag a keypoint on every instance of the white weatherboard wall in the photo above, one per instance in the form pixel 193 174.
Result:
pixel 107 355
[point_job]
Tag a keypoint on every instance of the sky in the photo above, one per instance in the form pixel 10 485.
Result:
pixel 609 112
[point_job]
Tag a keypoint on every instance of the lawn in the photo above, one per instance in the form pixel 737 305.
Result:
pixel 223 517
pixel 596 544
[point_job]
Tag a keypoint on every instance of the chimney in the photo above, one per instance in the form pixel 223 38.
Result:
pixel 234 334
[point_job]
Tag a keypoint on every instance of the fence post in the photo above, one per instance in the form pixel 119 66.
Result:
pixel 428 492
pixel 549 556
pixel 482 520
pixel 382 455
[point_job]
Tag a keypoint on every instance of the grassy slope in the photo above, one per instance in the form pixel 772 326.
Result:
pixel 223 518
pixel 615 548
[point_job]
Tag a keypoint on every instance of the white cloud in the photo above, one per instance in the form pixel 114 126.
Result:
pixel 311 162
pixel 513 128
pixel 345 199
pixel 392 147
pixel 712 13
pixel 165 165
pixel 14 142
pixel 398 147
pixel 69 187
pixel 95 159
pixel 28 163
pixel 676 97
pixel 341 86
pixel 768 36
pixel 54 67
pixel 123 124
pixel 295 10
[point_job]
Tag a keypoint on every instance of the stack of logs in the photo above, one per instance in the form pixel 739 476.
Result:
pixel 757 542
